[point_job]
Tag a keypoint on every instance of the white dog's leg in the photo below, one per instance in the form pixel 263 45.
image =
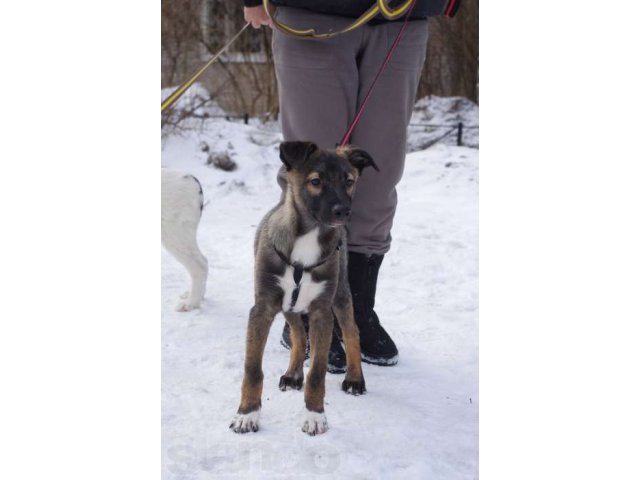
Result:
pixel 181 211
pixel 197 265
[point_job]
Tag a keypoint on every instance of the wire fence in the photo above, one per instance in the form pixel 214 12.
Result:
pixel 456 129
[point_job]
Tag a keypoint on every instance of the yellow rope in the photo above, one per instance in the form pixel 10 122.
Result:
pixel 380 6
pixel 177 93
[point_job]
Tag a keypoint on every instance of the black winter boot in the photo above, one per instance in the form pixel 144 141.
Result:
pixel 337 358
pixel 375 343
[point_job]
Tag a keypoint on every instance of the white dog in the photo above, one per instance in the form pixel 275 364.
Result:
pixel 182 204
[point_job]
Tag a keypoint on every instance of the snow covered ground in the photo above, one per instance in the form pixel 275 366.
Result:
pixel 418 420
pixel 435 119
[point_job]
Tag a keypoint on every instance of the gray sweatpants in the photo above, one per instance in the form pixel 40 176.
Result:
pixel 321 84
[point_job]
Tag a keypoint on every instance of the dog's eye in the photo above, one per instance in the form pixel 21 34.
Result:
pixel 350 182
pixel 315 182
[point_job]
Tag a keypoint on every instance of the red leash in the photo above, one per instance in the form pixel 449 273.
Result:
pixel 345 139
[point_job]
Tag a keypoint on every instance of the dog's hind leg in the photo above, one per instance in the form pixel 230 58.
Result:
pixel 354 379
pixel 180 216
pixel 320 328
pixel 293 377
pixel 186 251
pixel 260 320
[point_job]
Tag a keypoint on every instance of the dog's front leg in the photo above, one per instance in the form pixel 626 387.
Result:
pixel 294 376
pixel 320 327
pixel 260 320
pixel 354 379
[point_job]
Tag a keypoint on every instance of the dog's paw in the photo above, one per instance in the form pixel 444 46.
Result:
pixel 185 306
pixel 315 423
pixel 247 422
pixel 354 387
pixel 290 383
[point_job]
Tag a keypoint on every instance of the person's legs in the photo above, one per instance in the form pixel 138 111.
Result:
pixel 321 83
pixel 382 132
pixel 382 129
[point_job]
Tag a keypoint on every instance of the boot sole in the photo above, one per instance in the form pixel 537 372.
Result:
pixel 336 370
pixel 380 361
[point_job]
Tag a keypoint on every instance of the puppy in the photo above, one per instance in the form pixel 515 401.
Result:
pixel 182 203
pixel 301 268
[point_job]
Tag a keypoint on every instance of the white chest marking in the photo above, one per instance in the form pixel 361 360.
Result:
pixel 306 250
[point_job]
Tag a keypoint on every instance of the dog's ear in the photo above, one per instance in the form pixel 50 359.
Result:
pixel 294 154
pixel 360 159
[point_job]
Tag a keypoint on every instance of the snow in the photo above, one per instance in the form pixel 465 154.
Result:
pixel 418 419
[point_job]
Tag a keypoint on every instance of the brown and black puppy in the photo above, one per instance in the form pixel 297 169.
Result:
pixel 301 268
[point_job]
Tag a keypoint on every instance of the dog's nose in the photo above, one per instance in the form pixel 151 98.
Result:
pixel 341 211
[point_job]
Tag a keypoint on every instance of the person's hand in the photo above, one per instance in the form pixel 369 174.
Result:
pixel 257 16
